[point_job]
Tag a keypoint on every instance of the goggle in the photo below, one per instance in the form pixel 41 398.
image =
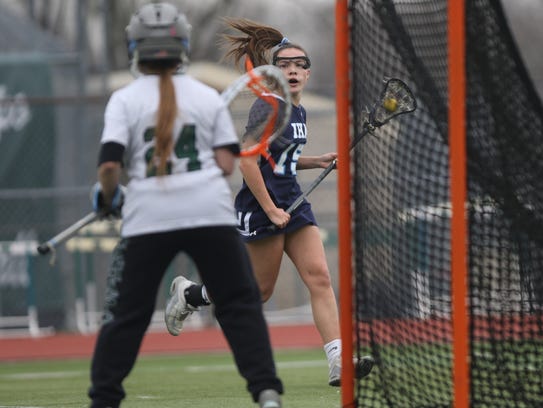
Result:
pixel 301 62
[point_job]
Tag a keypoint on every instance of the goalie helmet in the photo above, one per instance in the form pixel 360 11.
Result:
pixel 158 31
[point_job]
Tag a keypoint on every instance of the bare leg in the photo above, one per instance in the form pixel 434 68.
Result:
pixel 305 249
pixel 266 255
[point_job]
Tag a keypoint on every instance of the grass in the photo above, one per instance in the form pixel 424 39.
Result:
pixel 194 380
pixel 411 375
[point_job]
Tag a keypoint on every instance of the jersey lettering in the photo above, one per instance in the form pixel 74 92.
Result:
pixel 288 160
pixel 295 156
pixel 299 130
pixel 185 148
pixel 280 166
pixel 244 223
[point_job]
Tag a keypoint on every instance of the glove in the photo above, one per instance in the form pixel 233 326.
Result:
pixel 98 205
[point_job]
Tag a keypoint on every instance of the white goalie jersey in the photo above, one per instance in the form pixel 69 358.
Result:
pixel 176 200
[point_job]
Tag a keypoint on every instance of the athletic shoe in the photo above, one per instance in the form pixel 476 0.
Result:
pixel 362 369
pixel 177 309
pixel 269 399
pixel 334 375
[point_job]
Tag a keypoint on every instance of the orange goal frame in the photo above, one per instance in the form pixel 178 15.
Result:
pixel 343 105
pixel 458 188
pixel 458 183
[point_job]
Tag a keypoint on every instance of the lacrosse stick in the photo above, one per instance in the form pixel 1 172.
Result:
pixel 260 105
pixel 395 99
pixel 49 245
pixel 262 95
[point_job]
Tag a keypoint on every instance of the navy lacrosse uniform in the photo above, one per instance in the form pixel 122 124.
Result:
pixel 280 182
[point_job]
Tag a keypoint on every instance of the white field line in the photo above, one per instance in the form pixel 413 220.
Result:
pixel 231 367
pixel 190 369
pixel 42 375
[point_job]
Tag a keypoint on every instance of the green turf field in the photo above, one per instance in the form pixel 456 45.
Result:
pixel 195 381
pixel 211 380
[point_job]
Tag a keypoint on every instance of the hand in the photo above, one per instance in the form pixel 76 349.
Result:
pixel 325 159
pixel 99 203
pixel 279 217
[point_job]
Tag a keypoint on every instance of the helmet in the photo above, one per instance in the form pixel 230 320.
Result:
pixel 157 31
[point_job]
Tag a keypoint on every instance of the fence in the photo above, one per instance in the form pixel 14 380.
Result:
pixel 48 158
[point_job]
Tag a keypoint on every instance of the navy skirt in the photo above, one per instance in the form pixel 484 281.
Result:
pixel 256 225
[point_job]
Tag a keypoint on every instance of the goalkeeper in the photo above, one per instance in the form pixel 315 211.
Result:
pixel 178 151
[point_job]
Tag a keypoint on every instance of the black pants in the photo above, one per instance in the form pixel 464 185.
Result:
pixel 138 266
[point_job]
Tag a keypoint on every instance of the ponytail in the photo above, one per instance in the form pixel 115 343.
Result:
pixel 167 112
pixel 166 115
pixel 261 43
pixel 256 44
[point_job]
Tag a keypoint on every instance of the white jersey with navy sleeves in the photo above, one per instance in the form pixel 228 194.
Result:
pixel 176 200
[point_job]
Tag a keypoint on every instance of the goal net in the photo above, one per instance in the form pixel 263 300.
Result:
pixel 402 211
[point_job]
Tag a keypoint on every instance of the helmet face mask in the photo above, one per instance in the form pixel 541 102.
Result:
pixel 158 32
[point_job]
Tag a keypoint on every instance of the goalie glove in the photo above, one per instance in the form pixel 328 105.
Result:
pixel 98 205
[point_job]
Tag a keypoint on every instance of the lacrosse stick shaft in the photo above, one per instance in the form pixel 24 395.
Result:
pixel 321 177
pixel 324 173
pixel 396 99
pixel 49 245
pixel 311 187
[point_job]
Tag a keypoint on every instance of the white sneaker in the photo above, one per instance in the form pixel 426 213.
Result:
pixel 269 399
pixel 334 375
pixel 362 368
pixel 177 309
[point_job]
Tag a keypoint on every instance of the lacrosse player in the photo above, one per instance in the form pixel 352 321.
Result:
pixel 270 187
pixel 177 142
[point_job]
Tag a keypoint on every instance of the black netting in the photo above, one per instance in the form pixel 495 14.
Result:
pixel 402 210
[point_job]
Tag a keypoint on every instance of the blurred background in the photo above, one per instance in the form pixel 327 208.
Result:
pixel 59 62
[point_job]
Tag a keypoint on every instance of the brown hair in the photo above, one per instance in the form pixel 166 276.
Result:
pixel 258 42
pixel 167 112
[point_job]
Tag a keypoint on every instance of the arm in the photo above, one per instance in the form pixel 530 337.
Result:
pixel 107 192
pixel 254 180
pixel 316 162
pixel 109 174
pixel 225 160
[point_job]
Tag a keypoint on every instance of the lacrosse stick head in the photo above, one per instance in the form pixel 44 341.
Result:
pixel 395 99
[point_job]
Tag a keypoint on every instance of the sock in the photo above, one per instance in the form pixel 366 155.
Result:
pixel 204 295
pixel 333 350
pixel 196 295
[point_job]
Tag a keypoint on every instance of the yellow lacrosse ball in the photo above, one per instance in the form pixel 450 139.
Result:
pixel 390 104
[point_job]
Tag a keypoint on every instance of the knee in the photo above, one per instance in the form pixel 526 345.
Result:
pixel 319 279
